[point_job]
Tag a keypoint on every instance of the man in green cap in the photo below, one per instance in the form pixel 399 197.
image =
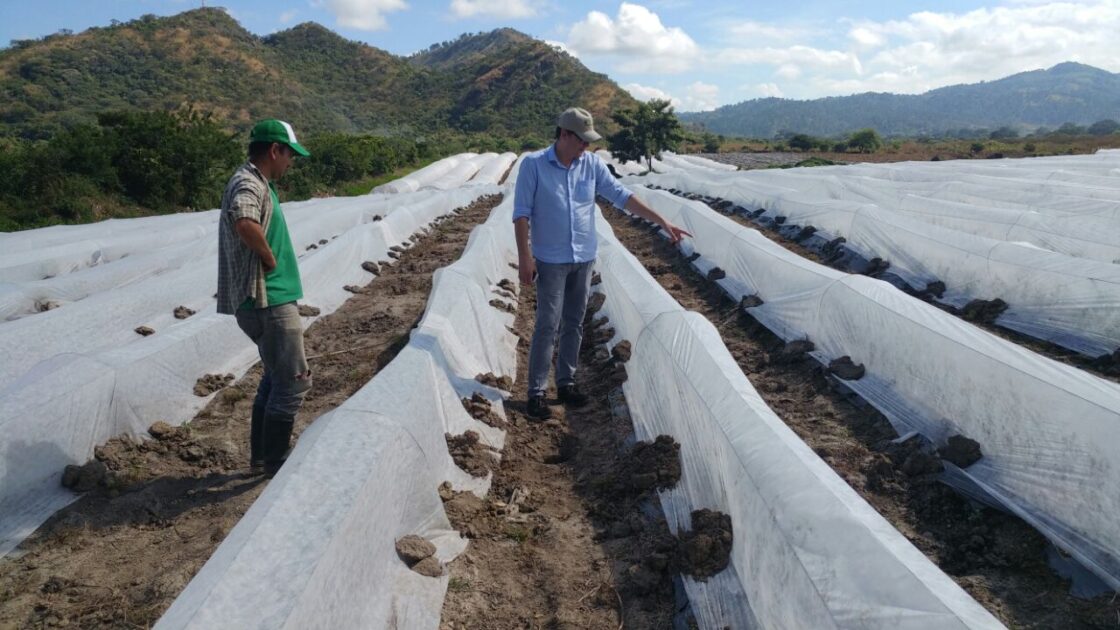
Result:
pixel 259 283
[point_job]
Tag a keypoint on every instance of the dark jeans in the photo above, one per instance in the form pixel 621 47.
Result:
pixel 562 291
pixel 278 333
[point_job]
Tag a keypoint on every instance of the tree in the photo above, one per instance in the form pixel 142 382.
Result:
pixel 644 132
pixel 1104 127
pixel 1003 133
pixel 802 142
pixel 866 141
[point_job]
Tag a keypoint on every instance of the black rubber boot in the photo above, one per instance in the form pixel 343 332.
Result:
pixel 277 440
pixel 256 439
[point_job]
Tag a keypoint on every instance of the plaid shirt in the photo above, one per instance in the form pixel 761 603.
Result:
pixel 240 274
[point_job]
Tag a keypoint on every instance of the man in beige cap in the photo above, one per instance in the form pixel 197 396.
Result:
pixel 554 203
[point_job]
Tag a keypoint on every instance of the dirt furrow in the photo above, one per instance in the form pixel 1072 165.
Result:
pixel 119 556
pixel 997 558
pixel 561 542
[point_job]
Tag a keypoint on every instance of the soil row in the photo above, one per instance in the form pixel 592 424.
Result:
pixel 156 509
pixel 571 534
pixel 802 240
pixel 997 558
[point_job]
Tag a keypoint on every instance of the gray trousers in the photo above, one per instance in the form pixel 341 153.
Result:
pixel 278 333
pixel 562 292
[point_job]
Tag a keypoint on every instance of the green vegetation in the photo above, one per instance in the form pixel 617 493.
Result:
pixel 134 163
pixel 502 83
pixel 644 132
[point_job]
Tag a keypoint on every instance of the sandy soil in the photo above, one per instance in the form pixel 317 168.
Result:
pixel 997 558
pixel 117 557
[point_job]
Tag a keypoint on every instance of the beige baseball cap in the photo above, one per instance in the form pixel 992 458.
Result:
pixel 578 121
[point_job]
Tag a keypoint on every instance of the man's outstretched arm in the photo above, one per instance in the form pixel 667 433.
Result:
pixel 634 205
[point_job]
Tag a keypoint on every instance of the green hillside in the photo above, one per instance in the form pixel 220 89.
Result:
pixel 502 82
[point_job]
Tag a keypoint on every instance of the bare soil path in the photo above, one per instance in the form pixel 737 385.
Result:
pixel 119 556
pixel 556 544
pixel 997 558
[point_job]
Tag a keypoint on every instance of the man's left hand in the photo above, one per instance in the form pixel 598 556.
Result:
pixel 675 233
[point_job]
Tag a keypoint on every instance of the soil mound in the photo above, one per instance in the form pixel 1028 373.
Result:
pixel 469 453
pixel 211 383
pixel 706 549
pixel 651 466
pixel 983 311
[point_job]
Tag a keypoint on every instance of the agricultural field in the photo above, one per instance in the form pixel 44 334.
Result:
pixel 859 396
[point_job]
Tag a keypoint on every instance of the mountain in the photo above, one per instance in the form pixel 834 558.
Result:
pixel 1068 92
pixel 506 78
pixel 503 82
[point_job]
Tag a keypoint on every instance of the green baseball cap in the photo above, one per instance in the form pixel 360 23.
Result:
pixel 273 130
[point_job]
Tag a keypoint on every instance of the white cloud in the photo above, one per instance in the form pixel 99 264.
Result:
pixel 288 16
pixel 768 89
pixel 701 97
pixel 924 50
pixel 636 35
pixel 561 46
pixel 644 93
pixel 509 9
pixel 364 15
pixel 763 31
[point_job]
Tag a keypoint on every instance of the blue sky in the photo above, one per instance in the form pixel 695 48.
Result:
pixel 699 54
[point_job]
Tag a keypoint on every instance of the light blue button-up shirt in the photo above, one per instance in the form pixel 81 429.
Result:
pixel 559 202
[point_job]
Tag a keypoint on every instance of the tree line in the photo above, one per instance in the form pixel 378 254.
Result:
pixel 131 163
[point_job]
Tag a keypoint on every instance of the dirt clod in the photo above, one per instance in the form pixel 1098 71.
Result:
pixel 503 383
pixel 160 430
pixel 505 307
pixel 961 451
pixel 211 383
pixel 413 549
pixel 794 352
pixel 651 465
pixel 596 278
pixel 469 453
pixel 429 567
pixel 182 312
pixel 595 304
pixel 935 288
pixel 371 267
pixel 844 368
pixel 86 477
pixel 715 273
pixel 751 301
pixel 144 331
pixel 306 310
pixel 921 463
pixel 705 550
pixel 983 311
pixel 621 351
pixel 351 288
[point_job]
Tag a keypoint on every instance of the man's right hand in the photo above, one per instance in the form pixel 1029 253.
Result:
pixel 269 264
pixel 527 270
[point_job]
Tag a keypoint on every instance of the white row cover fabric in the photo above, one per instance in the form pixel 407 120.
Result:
pixel 424 177
pixel 1074 302
pixel 808 551
pixel 316 550
pixel 187 277
pixel 1047 430
pixel 695 161
pixel 78 376
pixel 493 170
pixel 452 172
pixel 1037 208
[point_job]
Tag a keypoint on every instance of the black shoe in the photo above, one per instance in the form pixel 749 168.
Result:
pixel 256 439
pixel 570 395
pixel 538 409
pixel 277 440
